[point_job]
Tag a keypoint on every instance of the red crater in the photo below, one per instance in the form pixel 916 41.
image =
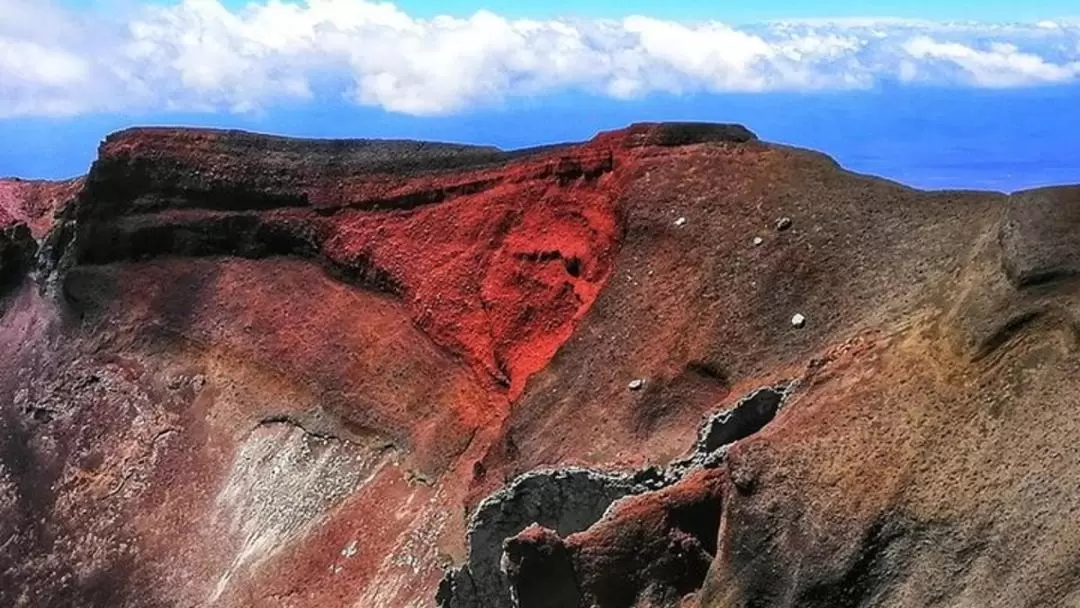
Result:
pixel 499 276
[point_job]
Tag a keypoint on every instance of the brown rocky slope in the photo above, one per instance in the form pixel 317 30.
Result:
pixel 242 370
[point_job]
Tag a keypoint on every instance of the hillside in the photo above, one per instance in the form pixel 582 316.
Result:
pixel 673 365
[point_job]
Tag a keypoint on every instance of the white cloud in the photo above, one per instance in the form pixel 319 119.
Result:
pixel 197 54
pixel 37 65
pixel 1003 64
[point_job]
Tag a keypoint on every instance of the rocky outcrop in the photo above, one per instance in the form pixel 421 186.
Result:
pixel 243 370
pixel 566 501
pixel 26 216
pixel 1038 240
pixel 628 535
pixel 653 549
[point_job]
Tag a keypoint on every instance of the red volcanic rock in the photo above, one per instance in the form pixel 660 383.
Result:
pixel 498 272
pixel 242 370
pixel 540 569
pixel 651 549
pixel 26 216
pixel 34 202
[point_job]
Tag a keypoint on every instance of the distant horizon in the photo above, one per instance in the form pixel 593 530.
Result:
pixel 928 139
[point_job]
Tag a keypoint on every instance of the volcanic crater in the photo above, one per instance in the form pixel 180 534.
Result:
pixel 248 370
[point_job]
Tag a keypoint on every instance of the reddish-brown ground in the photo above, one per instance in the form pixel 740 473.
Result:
pixel 251 371
pixel 34 202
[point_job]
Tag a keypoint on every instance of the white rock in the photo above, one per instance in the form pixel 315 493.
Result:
pixel 798 321
pixel 680 222
pixel 636 384
pixel 758 240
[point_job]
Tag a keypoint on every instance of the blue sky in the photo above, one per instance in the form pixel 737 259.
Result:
pixel 751 10
pixel 831 75
pixel 739 11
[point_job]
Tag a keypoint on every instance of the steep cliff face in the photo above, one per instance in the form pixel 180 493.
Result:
pixel 247 370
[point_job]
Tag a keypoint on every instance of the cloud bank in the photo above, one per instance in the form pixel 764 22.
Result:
pixel 199 55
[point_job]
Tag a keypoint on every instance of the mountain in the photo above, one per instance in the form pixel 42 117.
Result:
pixel 673 365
